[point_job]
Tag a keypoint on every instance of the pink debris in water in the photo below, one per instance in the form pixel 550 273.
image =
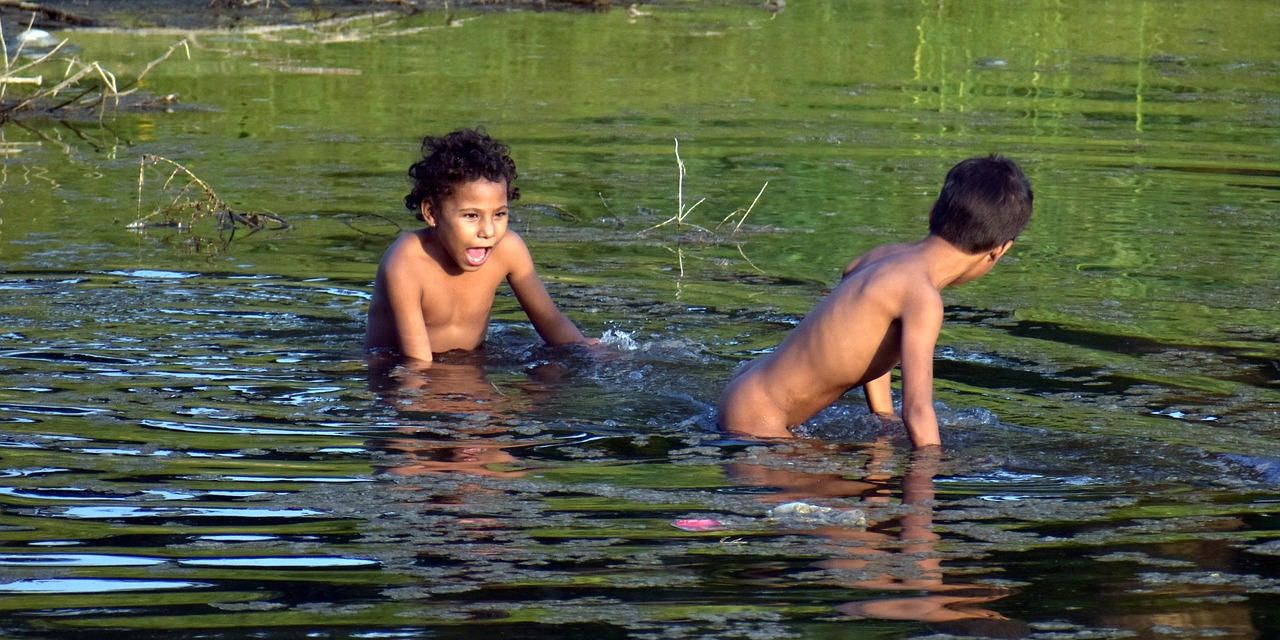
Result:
pixel 698 524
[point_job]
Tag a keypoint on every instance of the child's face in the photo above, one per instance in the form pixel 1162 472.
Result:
pixel 471 222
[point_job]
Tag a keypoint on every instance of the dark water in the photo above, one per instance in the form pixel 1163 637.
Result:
pixel 191 445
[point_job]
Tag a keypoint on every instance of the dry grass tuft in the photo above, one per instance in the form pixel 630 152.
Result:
pixel 185 199
pixel 683 224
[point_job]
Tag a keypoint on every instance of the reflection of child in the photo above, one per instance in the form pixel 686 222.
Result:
pixel 456 385
pixel 886 312
pixel 435 286
pixel 475 457
pixel 898 555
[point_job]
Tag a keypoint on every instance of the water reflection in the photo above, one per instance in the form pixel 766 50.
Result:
pixel 195 403
pixel 1210 581
pixel 456 385
pixel 895 559
pixel 477 456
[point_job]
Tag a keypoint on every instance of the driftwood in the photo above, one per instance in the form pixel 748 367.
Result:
pixel 65 17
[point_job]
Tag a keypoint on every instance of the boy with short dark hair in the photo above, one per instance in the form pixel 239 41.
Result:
pixel 887 311
pixel 435 286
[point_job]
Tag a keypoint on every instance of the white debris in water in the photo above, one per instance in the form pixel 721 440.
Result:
pixel 36 38
pixel 812 514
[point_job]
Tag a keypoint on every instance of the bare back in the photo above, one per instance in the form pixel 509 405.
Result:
pixel 853 336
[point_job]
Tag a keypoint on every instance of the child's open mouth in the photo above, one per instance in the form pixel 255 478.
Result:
pixel 476 256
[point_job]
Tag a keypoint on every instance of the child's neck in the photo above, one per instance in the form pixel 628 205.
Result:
pixel 946 263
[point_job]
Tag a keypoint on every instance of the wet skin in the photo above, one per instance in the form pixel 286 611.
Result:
pixel 435 286
pixel 887 311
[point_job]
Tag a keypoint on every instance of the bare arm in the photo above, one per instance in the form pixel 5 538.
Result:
pixel 404 296
pixel 921 322
pixel 879 395
pixel 550 323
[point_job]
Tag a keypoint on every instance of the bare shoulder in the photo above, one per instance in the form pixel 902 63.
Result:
pixel 409 262
pixel 890 287
pixel 512 242
pixel 513 253
pixel 919 295
pixel 410 245
pixel 874 255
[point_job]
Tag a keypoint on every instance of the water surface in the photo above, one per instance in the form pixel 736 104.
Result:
pixel 192 446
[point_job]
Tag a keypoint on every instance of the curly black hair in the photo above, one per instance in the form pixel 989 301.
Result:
pixel 456 158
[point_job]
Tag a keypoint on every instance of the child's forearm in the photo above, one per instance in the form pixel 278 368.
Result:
pixel 413 341
pixel 560 331
pixel 922 425
pixel 415 358
pixel 879 395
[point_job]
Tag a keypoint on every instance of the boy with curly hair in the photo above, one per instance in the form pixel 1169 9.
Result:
pixel 435 286
pixel 887 311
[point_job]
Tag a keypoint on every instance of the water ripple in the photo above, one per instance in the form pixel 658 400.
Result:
pixel 91 585
pixel 216 428
pixel 51 410
pixel 292 562
pixel 111 513
pixel 76 560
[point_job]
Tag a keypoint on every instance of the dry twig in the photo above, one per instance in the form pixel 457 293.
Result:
pixel 682 213
pixel 192 200
pixel 90 82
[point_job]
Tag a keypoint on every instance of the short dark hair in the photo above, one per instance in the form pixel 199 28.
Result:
pixel 457 158
pixel 984 203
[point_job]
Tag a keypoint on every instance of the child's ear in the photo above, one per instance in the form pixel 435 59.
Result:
pixel 999 251
pixel 424 213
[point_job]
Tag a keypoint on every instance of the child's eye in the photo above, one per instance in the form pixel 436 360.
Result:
pixel 500 214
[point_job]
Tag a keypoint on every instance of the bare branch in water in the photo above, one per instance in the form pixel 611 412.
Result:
pixel 193 199
pixel 744 213
pixel 90 83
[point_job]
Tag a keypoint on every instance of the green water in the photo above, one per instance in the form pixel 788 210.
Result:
pixel 191 445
